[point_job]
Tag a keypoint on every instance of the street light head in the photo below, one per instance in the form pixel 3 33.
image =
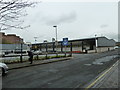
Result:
pixel 54 26
pixel 45 41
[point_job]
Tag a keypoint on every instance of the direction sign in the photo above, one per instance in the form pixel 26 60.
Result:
pixel 65 41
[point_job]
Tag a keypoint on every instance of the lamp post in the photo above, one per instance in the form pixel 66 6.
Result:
pixel 56 39
pixel 95 44
pixel 35 39
pixel 53 40
pixel 55 31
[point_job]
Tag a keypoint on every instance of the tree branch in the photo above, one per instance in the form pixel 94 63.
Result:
pixel 12 11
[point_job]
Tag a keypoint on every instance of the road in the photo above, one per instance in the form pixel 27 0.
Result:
pixel 73 73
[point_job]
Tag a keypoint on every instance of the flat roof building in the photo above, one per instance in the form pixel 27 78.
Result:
pixel 95 44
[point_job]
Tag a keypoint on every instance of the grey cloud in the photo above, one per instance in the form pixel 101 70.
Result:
pixel 104 26
pixel 63 18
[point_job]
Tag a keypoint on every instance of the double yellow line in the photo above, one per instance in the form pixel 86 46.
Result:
pixel 89 86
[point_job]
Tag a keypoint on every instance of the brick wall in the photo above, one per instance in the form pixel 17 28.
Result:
pixel 10 39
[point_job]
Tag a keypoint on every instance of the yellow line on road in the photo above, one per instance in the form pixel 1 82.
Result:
pixel 99 77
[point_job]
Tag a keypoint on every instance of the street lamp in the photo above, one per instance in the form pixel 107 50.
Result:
pixel 56 39
pixel 56 31
pixel 35 39
pixel 53 41
pixel 95 43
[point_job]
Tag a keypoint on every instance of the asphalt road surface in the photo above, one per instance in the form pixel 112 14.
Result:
pixel 73 73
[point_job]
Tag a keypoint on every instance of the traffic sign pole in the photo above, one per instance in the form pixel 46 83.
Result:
pixel 65 51
pixel 65 43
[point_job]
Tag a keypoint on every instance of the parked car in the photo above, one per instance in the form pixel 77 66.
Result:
pixel 37 52
pixel 2 54
pixel 3 69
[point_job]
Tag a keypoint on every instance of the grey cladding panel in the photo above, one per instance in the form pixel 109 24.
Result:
pixel 103 41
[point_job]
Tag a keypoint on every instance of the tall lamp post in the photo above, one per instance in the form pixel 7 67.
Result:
pixel 35 39
pixel 56 42
pixel 95 44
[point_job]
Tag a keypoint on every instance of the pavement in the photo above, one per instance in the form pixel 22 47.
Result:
pixel 107 79
pixel 35 62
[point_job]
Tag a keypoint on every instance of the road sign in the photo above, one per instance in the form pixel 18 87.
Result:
pixel 65 41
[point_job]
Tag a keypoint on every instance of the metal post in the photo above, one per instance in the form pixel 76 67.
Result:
pixel 65 50
pixel 71 49
pixel 56 33
pixel 61 47
pixel 46 50
pixel 21 52
pixel 53 46
pixel 56 49
pixel 82 46
pixel 56 39
pixel 95 44
pixel 35 39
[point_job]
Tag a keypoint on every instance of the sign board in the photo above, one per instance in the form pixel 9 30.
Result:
pixel 65 42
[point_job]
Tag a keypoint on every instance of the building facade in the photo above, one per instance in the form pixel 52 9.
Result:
pixel 87 45
pixel 10 39
pixel 11 43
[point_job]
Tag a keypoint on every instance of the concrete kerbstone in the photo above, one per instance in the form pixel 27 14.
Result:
pixel 51 61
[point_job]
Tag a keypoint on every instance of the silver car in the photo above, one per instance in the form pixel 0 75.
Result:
pixel 37 52
pixel 3 69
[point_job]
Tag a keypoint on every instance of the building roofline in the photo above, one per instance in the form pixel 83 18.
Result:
pixel 84 39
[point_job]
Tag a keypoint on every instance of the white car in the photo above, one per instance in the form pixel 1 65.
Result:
pixel 3 69
pixel 2 54
pixel 37 52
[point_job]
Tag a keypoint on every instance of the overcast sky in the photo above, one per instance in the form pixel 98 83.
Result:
pixel 74 20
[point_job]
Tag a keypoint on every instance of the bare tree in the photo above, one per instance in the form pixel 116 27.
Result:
pixel 11 11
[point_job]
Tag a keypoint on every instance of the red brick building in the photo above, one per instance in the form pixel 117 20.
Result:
pixel 10 39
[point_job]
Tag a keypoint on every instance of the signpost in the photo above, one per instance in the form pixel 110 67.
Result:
pixel 65 43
